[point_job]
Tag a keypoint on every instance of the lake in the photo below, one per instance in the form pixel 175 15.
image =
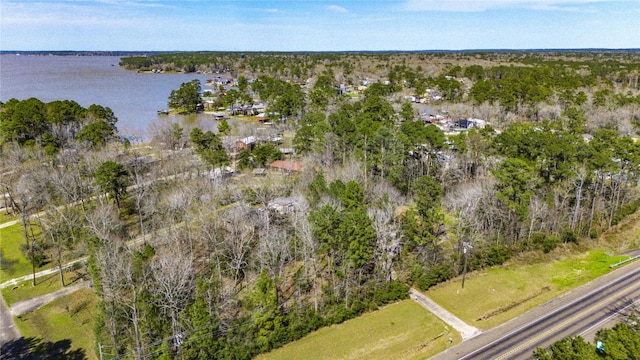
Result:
pixel 134 97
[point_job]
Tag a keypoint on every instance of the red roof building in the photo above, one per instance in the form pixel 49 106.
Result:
pixel 287 165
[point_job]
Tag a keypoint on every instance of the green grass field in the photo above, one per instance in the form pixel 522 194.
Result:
pixel 6 218
pixel 13 263
pixel 493 296
pixel 70 317
pixel 403 330
pixel 44 285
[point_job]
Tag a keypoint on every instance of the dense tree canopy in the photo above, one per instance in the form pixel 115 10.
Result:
pixel 187 98
pixel 113 178
pixel 209 147
pixel 56 123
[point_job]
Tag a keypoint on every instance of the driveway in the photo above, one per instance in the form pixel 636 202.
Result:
pixel 8 330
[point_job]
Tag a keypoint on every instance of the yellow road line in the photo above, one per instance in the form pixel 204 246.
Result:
pixel 567 321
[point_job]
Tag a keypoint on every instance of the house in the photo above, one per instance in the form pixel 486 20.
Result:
pixel 287 165
pixel 282 205
pixel 257 109
pixel 235 110
pixel 464 124
pixel 246 143
pixel 208 104
pixel 219 173
pixel 479 123
pixel 471 123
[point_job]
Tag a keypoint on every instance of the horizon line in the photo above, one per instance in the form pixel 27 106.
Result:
pixel 324 51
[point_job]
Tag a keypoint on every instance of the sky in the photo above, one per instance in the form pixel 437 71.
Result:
pixel 317 25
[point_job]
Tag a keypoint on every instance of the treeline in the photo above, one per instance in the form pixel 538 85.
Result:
pixel 614 67
pixel 56 124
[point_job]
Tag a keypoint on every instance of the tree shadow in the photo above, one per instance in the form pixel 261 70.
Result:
pixel 37 348
pixel 6 264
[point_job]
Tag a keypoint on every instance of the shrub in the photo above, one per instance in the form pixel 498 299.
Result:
pixel 569 236
pixel 550 243
pixel 497 255
pixel 389 292
pixel 341 314
pixel 357 307
pixel 434 276
pixel 545 243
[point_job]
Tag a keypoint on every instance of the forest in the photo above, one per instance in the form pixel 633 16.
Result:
pixel 191 261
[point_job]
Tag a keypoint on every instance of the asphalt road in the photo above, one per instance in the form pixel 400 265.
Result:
pixel 579 312
pixel 8 330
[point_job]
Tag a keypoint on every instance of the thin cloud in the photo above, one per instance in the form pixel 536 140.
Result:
pixel 338 9
pixel 484 5
pixel 67 13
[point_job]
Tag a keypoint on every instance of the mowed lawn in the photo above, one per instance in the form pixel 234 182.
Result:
pixel 4 218
pixel 493 296
pixel 68 318
pixel 403 330
pixel 44 285
pixel 13 263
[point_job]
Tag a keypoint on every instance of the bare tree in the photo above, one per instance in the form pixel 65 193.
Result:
pixel 238 224
pixel 29 195
pixel 103 222
pixel 135 279
pixel 273 254
pixel 62 226
pixel 168 135
pixel 538 212
pixel 309 249
pixel 388 238
pixel 173 274
pixel 109 284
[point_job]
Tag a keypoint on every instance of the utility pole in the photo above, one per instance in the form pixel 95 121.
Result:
pixel 465 248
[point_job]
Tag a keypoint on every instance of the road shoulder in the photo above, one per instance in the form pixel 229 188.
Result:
pixel 495 333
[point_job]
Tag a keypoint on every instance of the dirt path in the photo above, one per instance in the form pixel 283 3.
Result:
pixel 9 223
pixel 465 330
pixel 39 274
pixel 25 306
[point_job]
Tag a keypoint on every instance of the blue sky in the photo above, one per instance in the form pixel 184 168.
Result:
pixel 317 25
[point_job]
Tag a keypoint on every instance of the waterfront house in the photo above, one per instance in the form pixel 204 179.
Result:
pixel 246 143
pixel 287 165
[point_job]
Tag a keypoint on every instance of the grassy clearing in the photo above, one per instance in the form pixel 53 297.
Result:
pixel 13 263
pixel 44 285
pixel 4 218
pixel 496 295
pixel 404 330
pixel 70 317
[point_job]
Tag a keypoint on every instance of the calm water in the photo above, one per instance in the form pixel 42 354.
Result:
pixel 134 98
